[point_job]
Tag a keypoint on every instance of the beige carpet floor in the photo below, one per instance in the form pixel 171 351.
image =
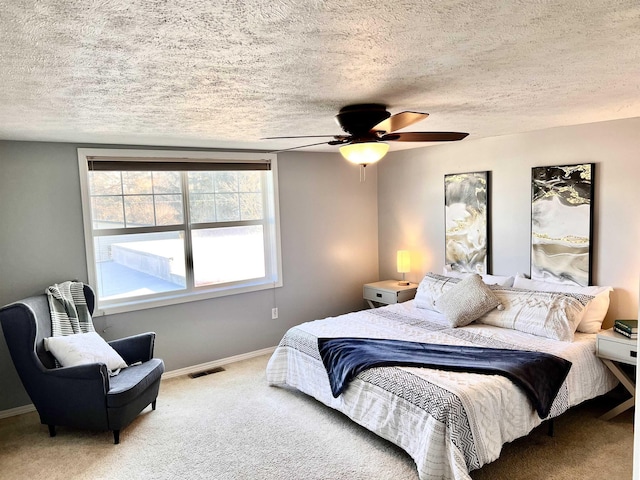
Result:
pixel 232 425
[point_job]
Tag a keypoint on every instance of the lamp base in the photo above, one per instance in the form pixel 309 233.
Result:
pixel 402 283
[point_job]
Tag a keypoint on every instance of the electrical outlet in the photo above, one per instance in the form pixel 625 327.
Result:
pixel 274 313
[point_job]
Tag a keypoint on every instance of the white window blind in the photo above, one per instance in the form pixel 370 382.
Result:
pixel 164 227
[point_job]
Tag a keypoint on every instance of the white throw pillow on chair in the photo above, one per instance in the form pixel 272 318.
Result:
pixel 83 349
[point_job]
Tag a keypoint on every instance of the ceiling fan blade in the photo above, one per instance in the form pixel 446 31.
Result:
pixel 424 136
pixel 301 136
pixel 399 120
pixel 341 140
pixel 305 146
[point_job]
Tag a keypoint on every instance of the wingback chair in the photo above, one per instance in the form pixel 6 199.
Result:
pixel 83 396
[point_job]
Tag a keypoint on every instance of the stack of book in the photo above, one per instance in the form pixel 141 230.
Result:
pixel 628 328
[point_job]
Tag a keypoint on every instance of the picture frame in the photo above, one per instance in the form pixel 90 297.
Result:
pixel 467 222
pixel 562 200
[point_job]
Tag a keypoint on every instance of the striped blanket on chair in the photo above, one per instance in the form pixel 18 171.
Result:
pixel 69 311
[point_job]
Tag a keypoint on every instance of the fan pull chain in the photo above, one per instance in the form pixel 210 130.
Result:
pixel 363 173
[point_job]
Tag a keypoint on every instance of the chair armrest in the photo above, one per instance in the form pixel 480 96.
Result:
pixel 83 387
pixel 137 348
pixel 89 371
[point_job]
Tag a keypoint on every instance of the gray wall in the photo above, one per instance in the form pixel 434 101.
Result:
pixel 329 249
pixel 335 232
pixel 411 201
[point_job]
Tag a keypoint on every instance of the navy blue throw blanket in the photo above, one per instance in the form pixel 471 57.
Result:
pixel 539 375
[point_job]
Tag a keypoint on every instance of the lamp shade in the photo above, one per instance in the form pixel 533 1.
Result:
pixel 404 261
pixel 364 153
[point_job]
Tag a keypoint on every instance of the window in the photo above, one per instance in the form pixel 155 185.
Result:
pixel 165 227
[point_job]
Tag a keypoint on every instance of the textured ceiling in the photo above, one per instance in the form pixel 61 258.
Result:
pixel 225 73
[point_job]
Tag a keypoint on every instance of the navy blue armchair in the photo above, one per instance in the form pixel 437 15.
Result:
pixel 83 396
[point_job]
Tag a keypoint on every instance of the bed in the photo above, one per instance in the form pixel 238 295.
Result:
pixel 450 423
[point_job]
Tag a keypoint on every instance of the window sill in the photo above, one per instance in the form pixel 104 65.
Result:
pixel 131 306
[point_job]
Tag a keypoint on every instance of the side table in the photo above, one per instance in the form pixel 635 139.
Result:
pixel 388 292
pixel 613 349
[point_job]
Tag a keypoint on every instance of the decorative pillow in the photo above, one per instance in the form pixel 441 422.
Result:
pixel 594 314
pixel 430 289
pixel 486 278
pixel 467 300
pixel 545 314
pixel 501 280
pixel 84 348
pixel 447 271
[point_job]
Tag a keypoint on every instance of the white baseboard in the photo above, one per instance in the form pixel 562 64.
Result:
pixel 216 363
pixel 12 412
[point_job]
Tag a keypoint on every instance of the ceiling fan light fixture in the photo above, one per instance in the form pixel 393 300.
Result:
pixel 364 153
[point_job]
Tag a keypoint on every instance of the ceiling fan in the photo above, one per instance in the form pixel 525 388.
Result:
pixel 369 126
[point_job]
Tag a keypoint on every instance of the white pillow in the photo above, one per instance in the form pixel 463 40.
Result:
pixel 430 289
pixel 466 301
pixel 545 314
pixel 486 278
pixel 82 349
pixel 593 317
pixel 450 272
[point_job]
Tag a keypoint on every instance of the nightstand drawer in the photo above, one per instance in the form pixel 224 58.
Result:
pixel 388 292
pixel 619 350
pixel 377 295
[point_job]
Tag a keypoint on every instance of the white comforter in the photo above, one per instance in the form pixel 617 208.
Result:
pixel 449 422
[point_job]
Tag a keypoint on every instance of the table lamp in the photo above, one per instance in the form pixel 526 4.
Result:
pixel 404 265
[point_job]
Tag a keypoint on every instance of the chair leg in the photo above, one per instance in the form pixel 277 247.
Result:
pixel 153 405
pixel 116 437
pixel 52 430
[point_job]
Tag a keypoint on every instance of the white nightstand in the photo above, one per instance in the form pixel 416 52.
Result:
pixel 614 348
pixel 388 292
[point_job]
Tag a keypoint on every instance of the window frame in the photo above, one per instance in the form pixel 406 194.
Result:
pixel 272 244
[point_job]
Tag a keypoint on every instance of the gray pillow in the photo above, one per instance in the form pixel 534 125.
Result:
pixel 466 301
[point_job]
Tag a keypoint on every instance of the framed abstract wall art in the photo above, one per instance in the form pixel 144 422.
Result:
pixel 466 203
pixel 561 223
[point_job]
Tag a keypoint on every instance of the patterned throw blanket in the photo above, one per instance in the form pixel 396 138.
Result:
pixel 69 311
pixel 540 375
